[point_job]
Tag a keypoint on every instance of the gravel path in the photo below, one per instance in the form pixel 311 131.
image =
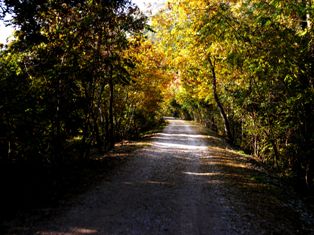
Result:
pixel 183 183
pixel 160 191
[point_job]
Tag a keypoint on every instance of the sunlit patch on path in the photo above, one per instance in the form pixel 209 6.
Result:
pixel 179 146
pixel 183 135
pixel 78 231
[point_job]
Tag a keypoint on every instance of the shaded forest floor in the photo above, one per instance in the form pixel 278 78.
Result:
pixel 255 200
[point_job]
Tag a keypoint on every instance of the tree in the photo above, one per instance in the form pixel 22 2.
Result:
pixel 257 57
pixel 72 53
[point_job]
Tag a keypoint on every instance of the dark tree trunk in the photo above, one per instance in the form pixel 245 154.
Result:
pixel 276 152
pixel 305 163
pixel 218 102
pixel 305 17
pixel 85 141
pixel 111 128
pixel 87 129
pixel 56 128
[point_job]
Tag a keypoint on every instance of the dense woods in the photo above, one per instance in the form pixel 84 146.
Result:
pixel 82 75
pixel 75 78
pixel 245 69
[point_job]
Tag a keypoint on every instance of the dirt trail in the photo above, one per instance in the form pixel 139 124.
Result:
pixel 183 183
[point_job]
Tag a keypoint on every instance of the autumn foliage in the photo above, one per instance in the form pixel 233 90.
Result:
pixel 79 76
pixel 82 75
pixel 245 69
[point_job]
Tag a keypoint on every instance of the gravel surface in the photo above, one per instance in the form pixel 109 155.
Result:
pixel 184 182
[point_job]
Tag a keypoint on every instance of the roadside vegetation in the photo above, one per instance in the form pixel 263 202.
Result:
pixel 77 76
pixel 245 69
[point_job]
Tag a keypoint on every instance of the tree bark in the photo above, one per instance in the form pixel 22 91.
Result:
pixel 306 17
pixel 56 127
pixel 218 102
pixel 111 100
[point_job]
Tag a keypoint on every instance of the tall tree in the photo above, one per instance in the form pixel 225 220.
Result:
pixel 258 58
pixel 72 52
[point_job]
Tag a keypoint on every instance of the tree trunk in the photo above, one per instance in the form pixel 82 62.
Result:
pixel 276 152
pixel 87 128
pixel 56 128
pixel 219 104
pixel 306 17
pixel 111 100
pixel 85 142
